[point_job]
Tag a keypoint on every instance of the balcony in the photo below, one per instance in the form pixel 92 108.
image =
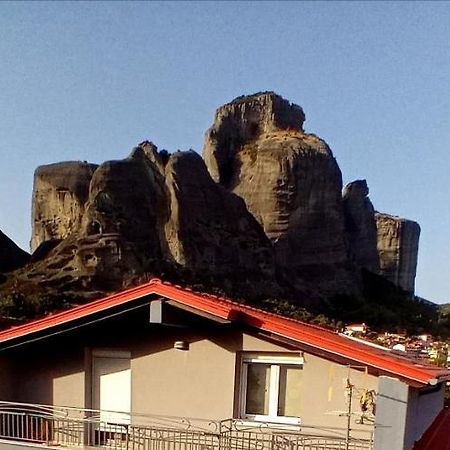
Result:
pixel 40 426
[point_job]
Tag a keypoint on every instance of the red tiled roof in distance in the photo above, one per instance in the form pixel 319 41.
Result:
pixel 301 332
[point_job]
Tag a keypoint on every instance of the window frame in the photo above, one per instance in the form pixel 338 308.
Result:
pixel 275 361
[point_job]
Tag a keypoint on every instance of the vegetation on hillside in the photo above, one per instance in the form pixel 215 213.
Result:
pixel 383 306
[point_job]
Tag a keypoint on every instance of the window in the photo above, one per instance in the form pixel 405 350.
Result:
pixel 270 388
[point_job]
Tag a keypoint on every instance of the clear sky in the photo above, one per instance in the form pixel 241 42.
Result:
pixel 89 80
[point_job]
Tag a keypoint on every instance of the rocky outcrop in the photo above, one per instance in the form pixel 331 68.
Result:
pixel 398 244
pixel 381 243
pixel 127 198
pixel 242 121
pixel 262 215
pixel 211 231
pixel 97 228
pixel 11 256
pixel 360 225
pixel 59 194
pixel 150 213
pixel 290 182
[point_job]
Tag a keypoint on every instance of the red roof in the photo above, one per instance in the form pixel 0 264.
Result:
pixel 312 336
pixel 436 437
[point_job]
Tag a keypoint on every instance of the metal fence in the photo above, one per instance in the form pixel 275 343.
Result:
pixel 72 427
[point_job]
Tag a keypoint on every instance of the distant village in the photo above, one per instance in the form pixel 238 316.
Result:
pixel 423 347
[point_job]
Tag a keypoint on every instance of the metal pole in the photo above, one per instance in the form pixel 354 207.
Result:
pixel 349 414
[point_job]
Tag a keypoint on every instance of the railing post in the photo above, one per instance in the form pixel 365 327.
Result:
pixel 47 437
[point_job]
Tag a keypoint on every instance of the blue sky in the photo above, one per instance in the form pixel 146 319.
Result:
pixel 89 80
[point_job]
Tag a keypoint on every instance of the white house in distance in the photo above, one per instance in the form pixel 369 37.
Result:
pixel 162 366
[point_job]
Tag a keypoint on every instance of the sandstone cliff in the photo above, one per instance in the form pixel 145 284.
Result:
pixel 59 194
pixel 398 244
pixel 290 182
pixel 241 121
pixel 211 231
pixel 262 215
pixel 361 225
pixel 150 213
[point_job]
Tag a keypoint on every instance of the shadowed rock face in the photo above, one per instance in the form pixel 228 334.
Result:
pixel 11 256
pixel 360 225
pixel 398 244
pixel 210 230
pixel 59 195
pixel 290 182
pixel 126 198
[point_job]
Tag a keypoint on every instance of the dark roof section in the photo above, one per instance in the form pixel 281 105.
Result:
pixel 316 339
pixel 437 435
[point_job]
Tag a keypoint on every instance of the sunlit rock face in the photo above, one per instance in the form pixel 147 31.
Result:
pixel 360 225
pixel 398 245
pixel 153 212
pixel 60 192
pixel 290 182
pixel 244 120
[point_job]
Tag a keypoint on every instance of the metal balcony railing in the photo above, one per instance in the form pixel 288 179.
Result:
pixel 74 427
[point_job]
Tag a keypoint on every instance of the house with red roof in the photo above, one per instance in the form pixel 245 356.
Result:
pixel 162 365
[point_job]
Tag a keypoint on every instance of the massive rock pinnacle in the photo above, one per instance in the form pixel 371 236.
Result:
pixel 290 182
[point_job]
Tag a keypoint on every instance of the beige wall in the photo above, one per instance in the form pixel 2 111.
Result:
pixel 68 389
pixel 47 374
pixel 324 385
pixel 200 382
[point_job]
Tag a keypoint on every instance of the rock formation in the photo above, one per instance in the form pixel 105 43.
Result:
pixel 360 225
pixel 127 198
pixel 211 231
pixel 290 182
pixel 262 215
pixel 11 256
pixel 148 213
pixel 112 224
pixel 59 194
pixel 241 121
pixel 398 244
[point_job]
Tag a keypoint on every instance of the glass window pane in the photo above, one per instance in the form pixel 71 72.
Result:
pixel 258 381
pixel 289 394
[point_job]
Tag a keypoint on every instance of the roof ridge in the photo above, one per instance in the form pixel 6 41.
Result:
pixel 234 302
